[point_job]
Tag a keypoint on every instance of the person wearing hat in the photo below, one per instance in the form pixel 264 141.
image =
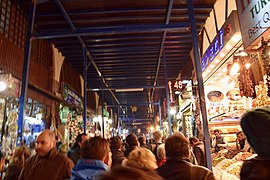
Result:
pixel 256 126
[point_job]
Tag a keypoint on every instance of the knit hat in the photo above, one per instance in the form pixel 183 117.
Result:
pixel 256 126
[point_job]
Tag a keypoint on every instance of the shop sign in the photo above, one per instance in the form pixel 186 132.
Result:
pixel 226 32
pixel 71 97
pixel 255 19
pixel 213 50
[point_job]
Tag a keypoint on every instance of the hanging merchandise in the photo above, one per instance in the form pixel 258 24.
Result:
pixel 245 83
pixel 266 60
pixel 262 99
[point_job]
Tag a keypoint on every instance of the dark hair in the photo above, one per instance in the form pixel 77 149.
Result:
pixel 78 139
pixel 115 142
pixel 1 155
pixel 142 140
pixel 132 140
pixel 177 146
pixel 130 173
pixel 217 130
pixel 95 148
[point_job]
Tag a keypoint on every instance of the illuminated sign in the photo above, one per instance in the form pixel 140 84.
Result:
pixel 171 91
pixel 255 19
pixel 213 50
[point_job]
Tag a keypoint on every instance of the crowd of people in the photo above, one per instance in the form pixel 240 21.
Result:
pixel 107 159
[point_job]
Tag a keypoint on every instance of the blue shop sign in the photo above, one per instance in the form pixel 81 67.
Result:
pixel 213 50
pixel 72 97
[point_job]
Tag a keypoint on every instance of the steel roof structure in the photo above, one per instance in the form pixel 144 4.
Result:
pixel 128 44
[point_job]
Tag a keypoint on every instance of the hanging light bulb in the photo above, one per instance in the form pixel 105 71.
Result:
pixel 248 65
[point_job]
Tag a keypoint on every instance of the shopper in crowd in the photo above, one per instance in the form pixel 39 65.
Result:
pixel 17 162
pixel 142 141
pixel 256 126
pixel 178 165
pixel 131 143
pixel 218 142
pixel 96 159
pixel 117 154
pixel 32 148
pixel 2 164
pixel 157 136
pixel 142 158
pixel 130 173
pixel 242 143
pixel 48 163
pixel 161 154
pixel 76 150
pixel 198 150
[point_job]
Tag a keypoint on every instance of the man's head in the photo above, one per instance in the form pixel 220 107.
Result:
pixel 45 142
pixel 177 146
pixel 255 125
pixel 132 140
pixel 81 138
pixel 217 133
pixel 157 136
pixel 115 143
pixel 97 148
pixel 193 140
pixel 240 136
pixel 142 140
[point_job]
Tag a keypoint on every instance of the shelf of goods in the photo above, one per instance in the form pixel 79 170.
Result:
pixel 227 164
pixel 228 129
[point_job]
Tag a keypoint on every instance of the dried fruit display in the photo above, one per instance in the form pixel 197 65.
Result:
pixel 266 63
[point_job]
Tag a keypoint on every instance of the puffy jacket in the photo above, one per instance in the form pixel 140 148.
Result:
pixel 256 168
pixel 87 169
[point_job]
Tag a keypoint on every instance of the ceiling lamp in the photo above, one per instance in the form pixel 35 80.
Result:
pixel 3 86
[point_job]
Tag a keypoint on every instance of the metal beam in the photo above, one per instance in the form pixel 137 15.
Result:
pixel 25 73
pixel 162 43
pixel 182 27
pixel 84 90
pixel 167 93
pixel 126 87
pixel 198 70
pixel 126 10
pixel 72 26
pixel 132 104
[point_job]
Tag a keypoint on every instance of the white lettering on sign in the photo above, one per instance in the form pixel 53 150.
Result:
pixel 254 18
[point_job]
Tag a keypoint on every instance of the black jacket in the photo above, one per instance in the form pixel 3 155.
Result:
pixel 256 168
pixel 175 169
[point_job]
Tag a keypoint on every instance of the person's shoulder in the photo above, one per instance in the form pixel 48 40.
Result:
pixel 202 173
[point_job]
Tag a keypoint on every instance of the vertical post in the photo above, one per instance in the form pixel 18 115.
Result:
pixel 198 69
pixel 167 92
pixel 25 73
pixel 84 90
pixel 160 119
pixel 118 121
pixel 102 114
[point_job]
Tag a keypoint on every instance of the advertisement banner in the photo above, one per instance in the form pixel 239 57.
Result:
pixel 254 20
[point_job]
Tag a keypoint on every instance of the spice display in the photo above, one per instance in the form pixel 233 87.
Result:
pixel 261 96
pixel 266 63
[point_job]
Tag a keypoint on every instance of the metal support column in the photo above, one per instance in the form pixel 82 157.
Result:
pixel 167 92
pixel 118 121
pixel 25 73
pixel 102 115
pixel 198 69
pixel 84 89
pixel 159 112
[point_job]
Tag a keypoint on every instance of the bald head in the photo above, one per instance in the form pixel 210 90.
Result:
pixel 45 142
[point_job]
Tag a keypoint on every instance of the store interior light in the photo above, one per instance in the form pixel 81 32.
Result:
pixel 235 68
pixel 185 81
pixel 228 47
pixel 177 92
pixel 222 55
pixel 3 86
pixel 129 90
pixel 172 111
pixel 236 37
